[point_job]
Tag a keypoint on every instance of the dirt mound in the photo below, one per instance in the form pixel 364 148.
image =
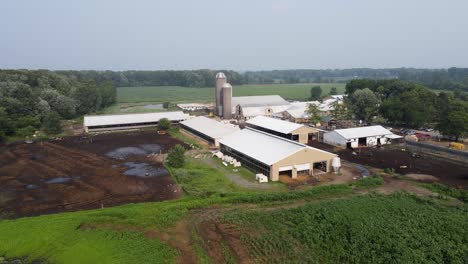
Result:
pixel 422 177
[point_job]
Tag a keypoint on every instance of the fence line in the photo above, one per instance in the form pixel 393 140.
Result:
pixel 437 151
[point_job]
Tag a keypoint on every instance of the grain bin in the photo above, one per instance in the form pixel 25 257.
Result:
pixel 220 81
pixel 227 98
pixel 336 164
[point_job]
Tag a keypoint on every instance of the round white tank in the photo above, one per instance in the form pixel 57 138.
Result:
pixel 336 164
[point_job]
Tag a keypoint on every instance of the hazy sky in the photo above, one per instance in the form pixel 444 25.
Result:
pixel 235 34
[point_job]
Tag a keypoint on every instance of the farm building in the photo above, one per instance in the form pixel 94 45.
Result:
pixel 129 121
pixel 285 129
pixel 246 107
pixel 272 155
pixel 208 129
pixel 195 106
pixel 359 137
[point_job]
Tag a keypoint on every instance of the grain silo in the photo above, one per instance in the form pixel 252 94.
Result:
pixel 220 81
pixel 227 98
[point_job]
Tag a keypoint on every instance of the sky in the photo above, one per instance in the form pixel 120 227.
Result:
pixel 239 35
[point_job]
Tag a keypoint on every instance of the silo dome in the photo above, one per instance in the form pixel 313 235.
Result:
pixel 227 85
pixel 220 75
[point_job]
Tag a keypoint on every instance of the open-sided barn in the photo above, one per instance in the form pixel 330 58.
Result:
pixel 272 155
pixel 359 137
pixel 208 129
pixel 285 129
pixel 129 121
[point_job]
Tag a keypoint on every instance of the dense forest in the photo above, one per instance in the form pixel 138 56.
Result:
pixel 35 100
pixel 408 104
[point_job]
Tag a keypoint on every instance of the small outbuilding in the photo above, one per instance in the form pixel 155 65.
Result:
pixel 208 129
pixel 282 128
pixel 272 155
pixel 359 137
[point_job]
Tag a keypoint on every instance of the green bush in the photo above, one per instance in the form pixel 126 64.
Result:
pixel 25 131
pixel 176 157
pixel 368 182
pixel 52 124
pixel 164 124
pixel 462 195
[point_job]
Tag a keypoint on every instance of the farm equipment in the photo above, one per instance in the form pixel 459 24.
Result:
pixel 456 146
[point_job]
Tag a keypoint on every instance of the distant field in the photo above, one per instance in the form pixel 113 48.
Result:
pixel 184 94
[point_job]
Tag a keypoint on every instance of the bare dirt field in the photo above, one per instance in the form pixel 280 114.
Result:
pixel 83 173
pixel 453 174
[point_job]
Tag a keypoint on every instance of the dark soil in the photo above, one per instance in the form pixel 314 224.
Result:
pixel 78 173
pixel 450 173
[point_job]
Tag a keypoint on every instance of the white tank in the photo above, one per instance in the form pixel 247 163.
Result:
pixel 220 81
pixel 336 164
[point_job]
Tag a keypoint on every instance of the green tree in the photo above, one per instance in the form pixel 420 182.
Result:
pixel 164 124
pixel 333 91
pixel 454 125
pixel 25 131
pixel 166 105
pixel 364 103
pixel 2 137
pixel 315 92
pixel 176 157
pixel 51 123
pixel 314 114
pixel 6 124
pixel 341 111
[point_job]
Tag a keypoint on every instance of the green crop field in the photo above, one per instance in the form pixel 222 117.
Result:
pixel 399 228
pixel 184 94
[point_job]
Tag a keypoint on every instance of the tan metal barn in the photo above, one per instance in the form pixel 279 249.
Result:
pixel 282 128
pixel 271 155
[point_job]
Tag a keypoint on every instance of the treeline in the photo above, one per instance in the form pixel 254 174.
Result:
pixel 195 78
pixel 455 79
pixel 39 99
pixel 443 79
pixel 408 104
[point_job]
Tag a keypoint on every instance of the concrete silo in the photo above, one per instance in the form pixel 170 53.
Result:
pixel 220 81
pixel 227 98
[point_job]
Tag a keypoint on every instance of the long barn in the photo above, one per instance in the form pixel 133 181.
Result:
pixel 130 121
pixel 208 129
pixel 272 155
pixel 282 128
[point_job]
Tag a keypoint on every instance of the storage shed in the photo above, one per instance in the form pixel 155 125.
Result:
pixel 359 137
pixel 208 129
pixel 272 155
pixel 129 121
pixel 282 128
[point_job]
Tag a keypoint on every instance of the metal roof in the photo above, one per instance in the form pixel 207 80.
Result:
pixel 210 127
pixel 220 75
pixel 358 132
pixel 274 124
pixel 259 100
pixel 264 147
pixel 106 120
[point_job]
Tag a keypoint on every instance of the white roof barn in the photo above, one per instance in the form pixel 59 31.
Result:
pixel 273 155
pixel 359 132
pixel 109 122
pixel 262 146
pixel 359 136
pixel 208 128
pixel 274 124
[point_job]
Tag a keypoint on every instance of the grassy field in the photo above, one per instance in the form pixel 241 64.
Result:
pixel 184 94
